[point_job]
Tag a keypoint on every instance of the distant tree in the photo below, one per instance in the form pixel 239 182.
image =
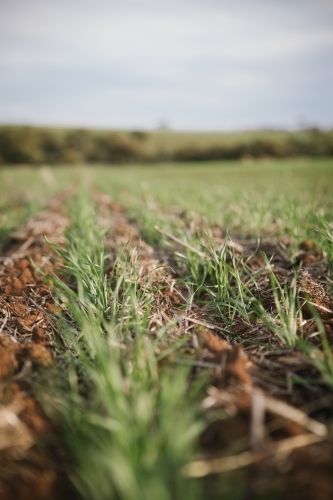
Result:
pixel 20 145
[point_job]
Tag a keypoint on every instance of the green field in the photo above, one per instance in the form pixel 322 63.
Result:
pixel 134 392
pixel 247 197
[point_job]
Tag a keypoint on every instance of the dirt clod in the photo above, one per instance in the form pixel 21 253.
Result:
pixel 28 471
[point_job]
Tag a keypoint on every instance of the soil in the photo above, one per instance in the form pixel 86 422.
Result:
pixel 268 409
pixel 31 457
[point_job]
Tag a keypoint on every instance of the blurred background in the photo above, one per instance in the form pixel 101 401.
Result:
pixel 139 66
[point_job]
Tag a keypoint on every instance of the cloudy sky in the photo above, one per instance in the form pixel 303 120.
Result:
pixel 193 64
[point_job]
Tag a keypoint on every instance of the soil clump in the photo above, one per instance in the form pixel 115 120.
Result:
pixel 31 458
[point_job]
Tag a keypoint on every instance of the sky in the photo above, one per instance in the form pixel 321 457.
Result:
pixel 188 64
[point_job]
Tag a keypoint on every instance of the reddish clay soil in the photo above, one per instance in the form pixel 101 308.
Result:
pixel 31 458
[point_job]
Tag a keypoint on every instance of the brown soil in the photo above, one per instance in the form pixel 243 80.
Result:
pixel 31 458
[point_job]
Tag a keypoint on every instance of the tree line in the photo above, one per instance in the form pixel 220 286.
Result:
pixel 32 145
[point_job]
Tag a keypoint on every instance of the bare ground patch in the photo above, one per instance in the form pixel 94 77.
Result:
pixel 31 457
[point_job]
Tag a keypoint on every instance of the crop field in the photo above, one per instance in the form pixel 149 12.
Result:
pixel 166 331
